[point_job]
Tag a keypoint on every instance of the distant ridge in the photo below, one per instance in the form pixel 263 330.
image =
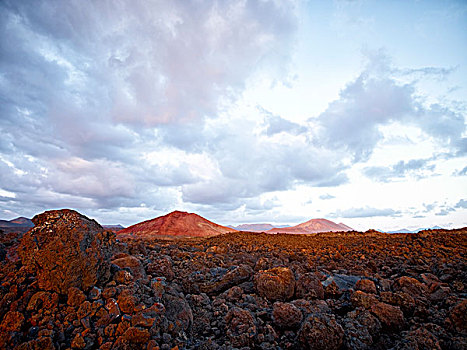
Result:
pixel 177 223
pixel 18 222
pixel 254 227
pixel 114 228
pixel 313 226
pixel 404 230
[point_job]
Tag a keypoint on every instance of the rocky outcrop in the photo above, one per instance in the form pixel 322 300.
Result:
pixel 66 249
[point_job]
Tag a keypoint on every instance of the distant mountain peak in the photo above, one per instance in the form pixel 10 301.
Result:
pixel 314 226
pixel 176 223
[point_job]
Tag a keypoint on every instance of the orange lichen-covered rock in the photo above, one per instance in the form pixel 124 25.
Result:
pixel 133 264
pixel 366 285
pixel 410 285
pixel 275 284
pixel 286 315
pixel 321 332
pixel 241 327
pixel 391 317
pixel 66 249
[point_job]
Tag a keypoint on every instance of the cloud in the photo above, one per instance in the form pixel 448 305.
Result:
pixel 400 170
pixel 376 98
pixel 326 196
pixel 276 125
pixel 364 212
pixel 461 172
pixel 88 90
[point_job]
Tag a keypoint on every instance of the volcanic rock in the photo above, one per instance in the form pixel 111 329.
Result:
pixel 286 315
pixel 177 223
pixel 458 316
pixel 66 249
pixel 366 285
pixel 321 332
pixel 131 263
pixel 362 299
pixel 308 286
pixel 230 279
pixel 246 308
pixel 391 317
pixel 410 285
pixel 275 284
pixel 241 328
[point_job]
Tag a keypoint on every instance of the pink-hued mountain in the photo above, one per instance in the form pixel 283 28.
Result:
pixel 177 223
pixel 313 226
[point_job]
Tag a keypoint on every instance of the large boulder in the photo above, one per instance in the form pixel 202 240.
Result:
pixel 66 249
pixel 275 284
pixel 241 328
pixel 321 332
pixel 308 286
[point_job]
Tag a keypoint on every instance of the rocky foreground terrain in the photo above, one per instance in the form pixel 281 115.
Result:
pixel 68 283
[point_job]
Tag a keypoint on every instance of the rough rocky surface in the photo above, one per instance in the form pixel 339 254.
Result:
pixel 66 249
pixel 382 291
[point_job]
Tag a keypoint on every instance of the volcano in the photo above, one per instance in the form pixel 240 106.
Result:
pixel 177 223
pixel 313 226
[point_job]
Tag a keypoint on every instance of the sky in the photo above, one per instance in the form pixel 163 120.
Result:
pixel 240 111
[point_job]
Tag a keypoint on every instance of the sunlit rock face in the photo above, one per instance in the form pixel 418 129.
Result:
pixel 66 249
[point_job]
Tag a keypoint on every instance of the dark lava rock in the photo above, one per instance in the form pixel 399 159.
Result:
pixel 421 339
pixel 344 282
pixel 150 298
pixel 131 263
pixel 75 296
pixel 66 249
pixel 366 285
pixel 410 286
pixel 241 328
pixel 391 317
pixel 458 317
pixel 308 286
pixel 286 315
pixel 321 332
pixel 275 284
pixel 230 279
pixel 362 299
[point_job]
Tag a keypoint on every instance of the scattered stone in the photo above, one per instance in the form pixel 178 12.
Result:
pixel 286 315
pixel 150 298
pixel 75 297
pixel 131 263
pixel 321 332
pixel 362 299
pixel 366 285
pixel 241 328
pixel 275 284
pixel 308 286
pixel 230 279
pixel 410 286
pixel 458 317
pixel 391 317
